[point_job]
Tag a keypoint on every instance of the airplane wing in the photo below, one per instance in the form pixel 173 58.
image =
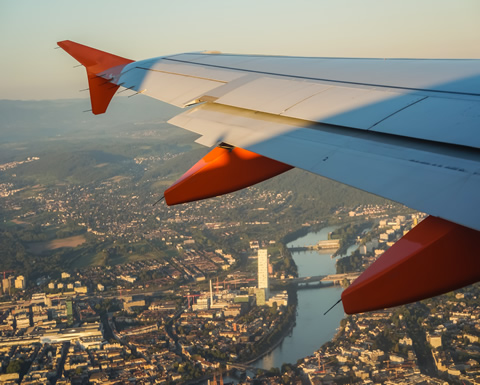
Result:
pixel 406 130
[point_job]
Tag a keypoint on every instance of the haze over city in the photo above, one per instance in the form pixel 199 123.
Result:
pixel 31 69
pixel 102 282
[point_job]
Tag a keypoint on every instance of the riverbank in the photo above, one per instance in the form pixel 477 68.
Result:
pixel 271 348
pixel 311 328
pixel 286 330
pixel 300 233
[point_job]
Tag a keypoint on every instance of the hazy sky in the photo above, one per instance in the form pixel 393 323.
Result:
pixel 139 29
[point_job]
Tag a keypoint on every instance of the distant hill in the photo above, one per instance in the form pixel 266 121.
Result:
pixel 28 120
pixel 80 147
pixel 92 149
pixel 313 193
pixel 75 167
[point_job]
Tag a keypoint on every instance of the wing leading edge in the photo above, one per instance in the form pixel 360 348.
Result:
pixel 406 130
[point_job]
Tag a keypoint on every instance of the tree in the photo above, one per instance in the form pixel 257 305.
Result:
pixel 79 370
pixel 273 309
pixel 14 366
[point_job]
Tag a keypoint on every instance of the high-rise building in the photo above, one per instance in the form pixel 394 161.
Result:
pixel 263 271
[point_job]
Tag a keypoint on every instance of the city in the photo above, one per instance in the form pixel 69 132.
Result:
pixel 142 321
pixel 101 286
pixel 348 133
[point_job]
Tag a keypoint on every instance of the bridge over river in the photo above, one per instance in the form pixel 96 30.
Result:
pixel 335 278
pixel 330 244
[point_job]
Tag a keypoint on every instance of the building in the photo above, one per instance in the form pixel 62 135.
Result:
pixel 203 303
pixel 434 340
pixel 279 299
pixel 6 285
pixel 20 282
pixel 262 293
pixel 132 305
pixel 39 298
pixel 72 335
pixel 262 269
pixel 362 249
pixel 80 289
pixel 260 296
pixel 69 304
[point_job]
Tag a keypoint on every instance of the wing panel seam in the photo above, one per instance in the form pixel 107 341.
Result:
pixel 326 80
pixel 184 75
pixel 460 150
pixel 304 99
pixel 396 112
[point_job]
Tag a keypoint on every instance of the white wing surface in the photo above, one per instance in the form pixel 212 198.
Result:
pixel 407 130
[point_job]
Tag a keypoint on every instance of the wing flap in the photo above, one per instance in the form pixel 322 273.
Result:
pixel 440 119
pixel 424 176
pixel 272 95
pixel 447 111
pixel 343 106
pixel 351 107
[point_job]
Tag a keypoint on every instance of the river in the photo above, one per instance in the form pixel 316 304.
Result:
pixel 312 328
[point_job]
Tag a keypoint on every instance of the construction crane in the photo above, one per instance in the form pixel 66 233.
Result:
pixel 4 277
pixel 6 271
pixel 322 361
pixel 395 368
pixel 321 365
pixel 215 382
pixel 189 296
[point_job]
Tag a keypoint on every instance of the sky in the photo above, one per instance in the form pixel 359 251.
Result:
pixel 139 29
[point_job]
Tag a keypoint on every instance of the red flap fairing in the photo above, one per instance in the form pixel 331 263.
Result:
pixel 433 258
pixel 221 171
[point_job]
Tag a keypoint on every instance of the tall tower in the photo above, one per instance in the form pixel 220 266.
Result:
pixel 211 294
pixel 263 271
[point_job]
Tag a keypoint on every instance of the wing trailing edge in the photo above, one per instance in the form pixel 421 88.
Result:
pixel 95 61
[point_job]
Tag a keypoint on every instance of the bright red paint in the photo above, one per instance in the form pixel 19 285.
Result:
pixel 433 258
pixel 95 62
pixel 222 171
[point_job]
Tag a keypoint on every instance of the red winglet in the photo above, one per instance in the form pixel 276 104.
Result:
pixel 96 61
pixel 433 258
pixel 221 171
